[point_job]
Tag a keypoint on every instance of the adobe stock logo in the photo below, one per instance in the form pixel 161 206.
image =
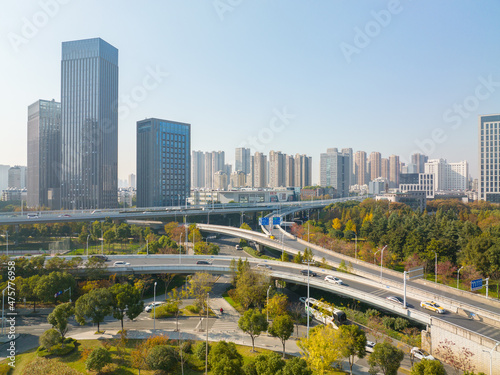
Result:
pixel 223 6
pixel 277 124
pixel 363 37
pixel 32 26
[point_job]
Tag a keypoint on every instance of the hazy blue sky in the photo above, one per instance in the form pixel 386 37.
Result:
pixel 285 75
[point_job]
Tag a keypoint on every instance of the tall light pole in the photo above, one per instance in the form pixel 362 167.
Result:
pixel 7 248
pixel 88 245
pixel 180 241
pixel 154 307
pixel 458 275
pixel 376 252
pixel 355 246
pixel 267 303
pixel 307 300
pixel 382 262
pixel 490 352
pixel 147 247
pixel 102 240
pixel 435 267
pixel 3 304
pixel 206 343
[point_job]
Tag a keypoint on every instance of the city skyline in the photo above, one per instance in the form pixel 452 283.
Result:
pixel 359 75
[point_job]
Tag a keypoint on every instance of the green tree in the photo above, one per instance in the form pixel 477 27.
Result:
pixel 319 350
pixel 27 288
pixel 53 283
pixel 296 366
pixel 109 236
pixel 251 287
pixel 224 359
pixel 49 338
pixel 97 359
pixel 427 367
pixel 95 305
pixel 245 226
pixel 282 328
pixel 277 305
pixel 58 318
pixel 161 357
pixel 253 322
pixel 126 301
pixel 351 341
pixel 385 358
pixel 269 364
pixel 199 286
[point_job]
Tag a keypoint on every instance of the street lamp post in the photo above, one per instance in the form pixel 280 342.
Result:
pixel 490 352
pixel 376 252
pixel 487 285
pixel 88 245
pixel 458 275
pixel 147 247
pixel 154 306
pixel 180 241
pixel 267 303
pixel 435 267
pixel 355 246
pixel 206 343
pixel 7 248
pixel 382 262
pixel 3 304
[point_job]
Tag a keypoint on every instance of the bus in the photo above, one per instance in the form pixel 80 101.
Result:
pixel 325 313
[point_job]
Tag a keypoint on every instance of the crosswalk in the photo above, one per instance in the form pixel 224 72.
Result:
pixel 226 323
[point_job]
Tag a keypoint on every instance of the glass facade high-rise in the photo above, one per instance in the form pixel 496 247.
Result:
pixel 89 97
pixel 44 154
pixel 489 162
pixel 242 160
pixel 163 162
pixel 335 171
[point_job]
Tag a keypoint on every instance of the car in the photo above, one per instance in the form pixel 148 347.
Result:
pixel 369 346
pixel 263 265
pixel 121 263
pixel 149 307
pixel 433 306
pixel 102 257
pixel 306 272
pixel 65 215
pixel 333 279
pixel 203 262
pixel 238 247
pixel 32 216
pixel 421 354
pixel 397 299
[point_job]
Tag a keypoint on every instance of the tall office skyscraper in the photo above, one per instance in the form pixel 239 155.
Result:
pixel 419 160
pixel 163 162
pixel 360 167
pixel 335 171
pixel 375 165
pixel 89 96
pixel 242 160
pixel 489 163
pixel 44 154
pixel 198 169
pixel 394 169
pixel 348 151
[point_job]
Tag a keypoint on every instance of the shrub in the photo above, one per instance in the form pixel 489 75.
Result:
pixel 166 310
pixel 187 346
pixel 99 358
pixel 156 340
pixel 193 309
pixel 400 324
pixel 161 357
pixel 42 366
pixel 372 313
pixel 49 339
pixel 199 350
pixel 388 322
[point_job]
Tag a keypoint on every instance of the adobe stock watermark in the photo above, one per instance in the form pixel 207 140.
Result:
pixel 364 36
pixel 151 81
pixel 31 26
pixel 277 124
pixel 224 6
pixel 457 113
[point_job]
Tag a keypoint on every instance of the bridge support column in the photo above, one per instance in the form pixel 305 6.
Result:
pixel 258 247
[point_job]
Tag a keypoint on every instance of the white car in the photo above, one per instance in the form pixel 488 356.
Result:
pixel 333 279
pixel 149 307
pixel 421 354
pixel 369 346
pixel 433 306
pixel 120 263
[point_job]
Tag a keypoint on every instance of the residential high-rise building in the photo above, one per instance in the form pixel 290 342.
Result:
pixel 448 176
pixel 209 172
pixel 348 151
pixel 238 179
pixel 132 181
pixel 385 171
pixel 277 169
pixel 17 177
pixel 335 171
pixel 375 165
pixel 394 170
pixel 163 162
pixel 289 171
pixel 197 169
pixel 242 160
pixel 419 160
pixel 44 154
pixel 220 180
pixel 360 167
pixel 303 170
pixel 489 163
pixel 89 131
pixel 259 170
pixel 4 176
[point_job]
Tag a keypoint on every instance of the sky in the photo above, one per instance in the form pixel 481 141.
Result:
pixel 397 77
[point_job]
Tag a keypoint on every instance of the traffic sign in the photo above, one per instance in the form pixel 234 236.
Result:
pixel 276 220
pixel 476 284
pixel 415 273
pixel 263 221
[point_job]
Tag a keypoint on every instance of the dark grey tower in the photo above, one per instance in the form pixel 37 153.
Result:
pixel 89 96
pixel 44 154
pixel 163 162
